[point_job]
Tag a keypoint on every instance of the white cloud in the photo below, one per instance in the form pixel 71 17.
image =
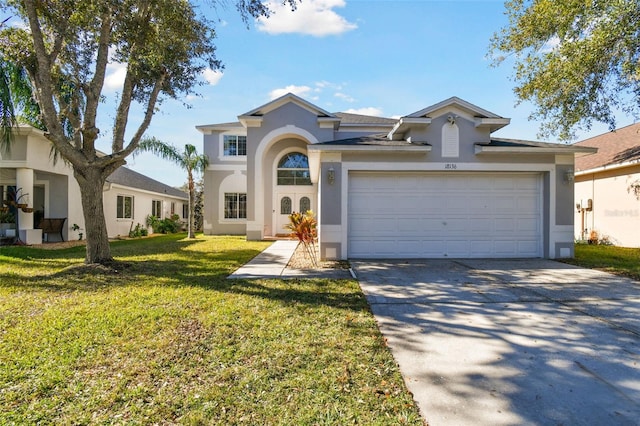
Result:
pixel 376 112
pixel 344 97
pixel 312 17
pixel 301 91
pixel 212 76
pixel 115 74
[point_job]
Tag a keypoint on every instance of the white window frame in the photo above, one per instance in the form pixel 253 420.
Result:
pixel 121 214
pixel 238 210
pixel 226 138
pixel 157 206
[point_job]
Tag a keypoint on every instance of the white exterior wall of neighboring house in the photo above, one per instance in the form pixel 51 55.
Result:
pixel 605 203
pixel 142 208
pixel 53 191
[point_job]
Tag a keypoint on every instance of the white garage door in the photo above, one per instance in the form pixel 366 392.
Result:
pixel 437 215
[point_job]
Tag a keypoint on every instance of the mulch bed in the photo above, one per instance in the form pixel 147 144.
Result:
pixel 302 260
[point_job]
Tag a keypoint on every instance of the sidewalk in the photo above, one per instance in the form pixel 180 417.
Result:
pixel 271 263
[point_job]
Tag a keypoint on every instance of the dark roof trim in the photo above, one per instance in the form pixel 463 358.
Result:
pixel 516 146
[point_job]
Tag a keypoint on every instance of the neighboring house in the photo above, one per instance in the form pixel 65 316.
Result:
pixel 431 184
pixel 605 201
pixel 52 191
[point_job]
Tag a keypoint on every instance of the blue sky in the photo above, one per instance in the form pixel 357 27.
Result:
pixel 377 57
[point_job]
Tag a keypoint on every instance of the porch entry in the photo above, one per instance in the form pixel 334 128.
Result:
pixel 287 203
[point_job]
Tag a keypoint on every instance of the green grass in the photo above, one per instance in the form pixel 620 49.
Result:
pixel 616 260
pixel 167 339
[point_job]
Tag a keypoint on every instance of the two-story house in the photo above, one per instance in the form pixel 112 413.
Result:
pixel 432 184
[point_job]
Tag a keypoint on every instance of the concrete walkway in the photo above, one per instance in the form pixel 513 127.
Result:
pixel 271 263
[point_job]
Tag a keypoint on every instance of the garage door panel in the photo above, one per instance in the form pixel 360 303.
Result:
pixel 529 224
pixel 527 203
pixel 504 225
pixel 528 248
pixel 444 215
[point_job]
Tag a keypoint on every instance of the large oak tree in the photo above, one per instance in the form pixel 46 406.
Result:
pixel 578 61
pixel 65 47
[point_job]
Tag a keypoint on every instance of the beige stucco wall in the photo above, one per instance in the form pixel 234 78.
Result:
pixel 616 210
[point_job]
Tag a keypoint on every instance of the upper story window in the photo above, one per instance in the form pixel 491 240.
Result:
pixel 235 145
pixel 293 169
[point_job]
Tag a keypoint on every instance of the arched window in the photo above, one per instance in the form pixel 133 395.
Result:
pixel 293 169
pixel 305 204
pixel 285 205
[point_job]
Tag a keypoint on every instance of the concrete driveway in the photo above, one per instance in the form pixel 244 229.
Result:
pixel 510 342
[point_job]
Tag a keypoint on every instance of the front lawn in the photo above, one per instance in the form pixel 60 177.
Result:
pixel 616 260
pixel 167 339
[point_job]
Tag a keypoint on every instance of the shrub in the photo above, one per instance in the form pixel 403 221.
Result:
pixel 304 228
pixel 169 225
pixel 138 231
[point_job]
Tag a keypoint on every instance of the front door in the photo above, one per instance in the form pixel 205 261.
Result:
pixel 287 203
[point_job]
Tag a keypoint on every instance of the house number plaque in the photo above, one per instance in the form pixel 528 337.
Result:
pixel 450 166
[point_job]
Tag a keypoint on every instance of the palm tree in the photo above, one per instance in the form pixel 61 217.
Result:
pixel 17 104
pixel 7 113
pixel 189 160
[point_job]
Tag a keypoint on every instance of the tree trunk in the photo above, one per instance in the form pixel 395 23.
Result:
pixel 91 181
pixel 192 202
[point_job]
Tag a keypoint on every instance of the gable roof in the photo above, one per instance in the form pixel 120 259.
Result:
pixel 127 177
pixel 617 147
pixel 285 99
pixel 474 110
pixel 480 116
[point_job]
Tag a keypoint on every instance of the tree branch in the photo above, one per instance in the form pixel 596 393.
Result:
pixel 151 106
pixel 43 82
pixel 92 92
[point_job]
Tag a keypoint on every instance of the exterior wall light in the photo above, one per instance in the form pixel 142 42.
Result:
pixel 569 176
pixel 331 175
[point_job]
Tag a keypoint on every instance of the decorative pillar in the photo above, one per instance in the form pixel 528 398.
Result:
pixel 24 188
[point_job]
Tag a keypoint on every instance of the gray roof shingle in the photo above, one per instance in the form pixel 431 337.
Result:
pixel 620 146
pixel 380 139
pixel 127 177
pixel 349 118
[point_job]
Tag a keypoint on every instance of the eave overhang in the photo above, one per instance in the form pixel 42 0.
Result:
pixel 329 122
pixel 491 123
pixel 481 148
pixel 250 120
pixel 404 124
